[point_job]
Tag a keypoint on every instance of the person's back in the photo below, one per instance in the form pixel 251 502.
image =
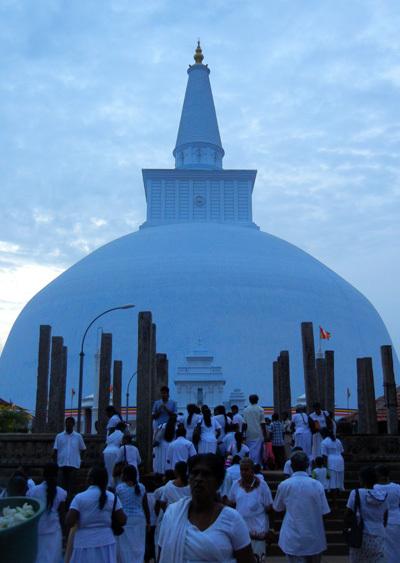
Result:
pixel 304 502
pixel 179 450
pixel 373 504
pixel 129 454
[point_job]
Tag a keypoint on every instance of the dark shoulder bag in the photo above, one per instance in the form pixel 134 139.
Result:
pixel 353 534
pixel 116 527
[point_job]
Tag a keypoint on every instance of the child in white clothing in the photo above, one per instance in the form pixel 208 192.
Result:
pixel 320 473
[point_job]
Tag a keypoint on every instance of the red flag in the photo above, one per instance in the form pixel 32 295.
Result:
pixel 324 334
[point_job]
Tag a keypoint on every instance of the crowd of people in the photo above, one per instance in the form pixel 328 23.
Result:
pixel 207 498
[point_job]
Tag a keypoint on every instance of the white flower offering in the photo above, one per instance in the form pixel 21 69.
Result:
pixel 13 516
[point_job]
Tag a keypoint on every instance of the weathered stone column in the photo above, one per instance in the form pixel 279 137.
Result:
pixel 389 384
pixel 310 376
pixel 285 395
pixel 56 384
pixel 144 430
pixel 367 419
pixel 155 390
pixel 330 380
pixel 104 380
pixel 42 382
pixel 63 390
pixel 117 385
pixel 320 368
pixel 276 386
pixel 162 370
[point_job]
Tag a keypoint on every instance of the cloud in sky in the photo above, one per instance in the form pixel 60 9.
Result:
pixel 306 92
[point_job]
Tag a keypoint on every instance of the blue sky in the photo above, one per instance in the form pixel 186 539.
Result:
pixel 306 91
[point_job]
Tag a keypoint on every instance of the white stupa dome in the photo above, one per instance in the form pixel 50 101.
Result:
pixel 204 270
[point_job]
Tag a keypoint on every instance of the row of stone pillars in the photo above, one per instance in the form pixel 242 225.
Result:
pixel 319 383
pixel 52 380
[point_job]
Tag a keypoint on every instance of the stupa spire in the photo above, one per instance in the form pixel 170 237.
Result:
pixel 198 144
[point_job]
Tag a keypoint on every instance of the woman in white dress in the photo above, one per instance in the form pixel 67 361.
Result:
pixel 302 431
pixel 111 451
pixel 374 510
pixel 49 529
pixel 238 447
pixel 224 421
pixel 200 528
pixel 177 488
pixel 164 435
pixel 91 511
pixel 252 498
pixel 392 532
pixel 128 452
pixel 332 453
pixel 131 544
pixel 191 420
pixel 209 433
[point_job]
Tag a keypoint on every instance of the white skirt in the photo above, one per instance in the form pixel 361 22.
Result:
pixel 49 547
pixel 102 554
pixel 392 543
pixel 336 480
pixel 110 458
pixel 131 544
pixel 303 440
pixel 206 447
pixel 160 457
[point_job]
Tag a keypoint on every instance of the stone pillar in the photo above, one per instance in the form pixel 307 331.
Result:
pixel 155 389
pixel 320 368
pixel 389 384
pixel 276 389
pixel 367 419
pixel 162 370
pixel 63 390
pixel 285 395
pixel 330 380
pixel 117 385
pixel 104 380
pixel 310 376
pixel 144 427
pixel 56 376
pixel 42 382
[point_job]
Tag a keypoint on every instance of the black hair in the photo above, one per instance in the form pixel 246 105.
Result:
pixel 120 426
pixel 368 476
pixel 17 486
pixel 238 440
pixel 319 461
pixel 299 461
pixel 275 416
pixel 169 433
pixel 164 388
pixel 129 473
pixel 191 408
pixel 110 410
pixel 70 418
pixel 181 470
pixel 98 477
pixel 222 410
pixel 316 405
pixel 50 472
pixel 214 462
pixel 383 470
pixel 236 459
pixel 169 475
pixel 234 407
pixel 207 417
pixel 253 399
pixel 181 430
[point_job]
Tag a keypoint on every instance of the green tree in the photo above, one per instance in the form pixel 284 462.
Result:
pixel 13 418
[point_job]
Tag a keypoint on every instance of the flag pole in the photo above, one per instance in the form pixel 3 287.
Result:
pixel 72 399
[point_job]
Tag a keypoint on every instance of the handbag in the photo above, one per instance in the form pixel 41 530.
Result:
pixel 353 534
pixel 116 527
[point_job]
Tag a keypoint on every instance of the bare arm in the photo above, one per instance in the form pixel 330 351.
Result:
pixel 72 518
pixel 146 510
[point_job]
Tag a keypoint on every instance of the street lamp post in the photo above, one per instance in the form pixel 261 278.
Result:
pixel 127 396
pixel 82 356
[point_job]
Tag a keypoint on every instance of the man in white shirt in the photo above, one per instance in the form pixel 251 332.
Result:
pixel 319 420
pixel 254 429
pixel 302 536
pixel 236 417
pixel 179 449
pixel 68 446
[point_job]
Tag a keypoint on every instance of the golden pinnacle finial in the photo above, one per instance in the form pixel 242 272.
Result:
pixel 198 55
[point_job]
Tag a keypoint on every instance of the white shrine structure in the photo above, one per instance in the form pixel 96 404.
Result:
pixel 201 266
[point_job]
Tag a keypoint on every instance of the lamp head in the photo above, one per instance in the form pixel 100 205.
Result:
pixel 129 306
